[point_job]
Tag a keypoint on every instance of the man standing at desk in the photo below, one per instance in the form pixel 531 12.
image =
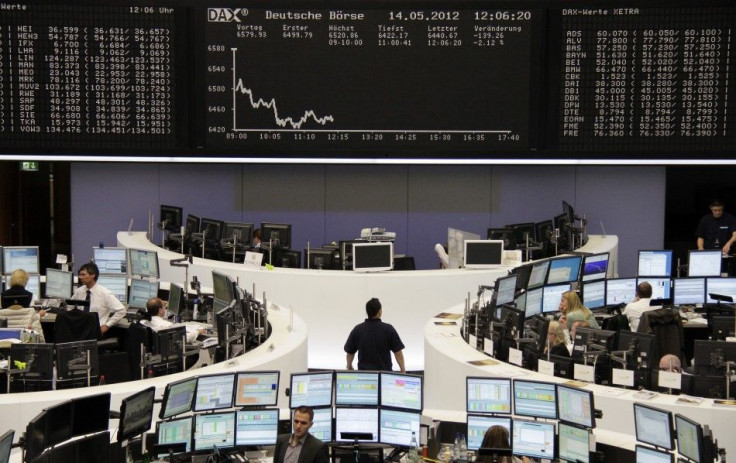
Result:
pixel 300 447
pixel 716 230
pixel 101 300
pixel 374 341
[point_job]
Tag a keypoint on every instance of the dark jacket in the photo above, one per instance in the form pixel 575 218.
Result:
pixel 666 325
pixel 313 451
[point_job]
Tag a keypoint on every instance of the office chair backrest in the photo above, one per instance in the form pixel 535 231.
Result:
pixel 76 325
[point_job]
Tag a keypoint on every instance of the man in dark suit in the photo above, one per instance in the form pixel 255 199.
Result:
pixel 300 446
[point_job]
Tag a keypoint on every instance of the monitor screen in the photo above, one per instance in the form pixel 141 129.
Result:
pixel 222 287
pixel 136 414
pixel 171 218
pixel 689 291
pixel 479 424
pixel 552 296
pixel 620 291
pixel 523 272
pixel 111 260
pixel 704 263
pixel 520 302
pixel 488 395
pixel 506 290
pixel 318 258
pixel 214 430
pixel 721 286
pixel 533 398
pixel 575 406
pixel 311 389
pixel 90 414
pixel 650 455
pixel 6 444
pixel 523 231
pixel 397 427
pixel 689 438
pixel 533 304
pixel 242 232
pixel 722 328
pixel 177 431
pixel 214 392
pixel 116 283
pixel 277 233
pixel 321 424
pixel 533 439
pixel 356 420
pixel 401 391
pixel 539 274
pixel 595 267
pixel 564 270
pixel 356 387
pixel 483 253
pixel 212 229
pixel 33 286
pixel 59 284
pixel 58 424
pixel 176 299
pixel 20 257
pixel 178 398
pixel 257 389
pixel 143 263
pixel 192 225
pixel 373 257
pixel 653 426
pixel 661 287
pixel 573 443
pixel 256 427
pixel 140 292
pixel 655 263
pixel 594 294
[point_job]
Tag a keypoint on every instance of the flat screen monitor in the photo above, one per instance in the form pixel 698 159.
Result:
pixel 318 259
pixel 171 218
pixel 256 388
pixel 178 398
pixel 39 358
pixel 594 294
pixel 661 287
pixel 709 355
pixel 277 233
pixel 6 444
pixel 143 263
pixel 654 426
pixel 321 424
pixel 573 443
pixel 35 436
pixel 539 274
pixel 192 225
pixel 506 290
pixel 116 283
pixel 705 263
pixel 535 399
pixel 552 296
pixel 564 366
pixel 141 291
pixel 690 442
pixel 534 302
pixel 214 430
pixel 352 422
pixel 523 273
pixel 177 299
pixel 488 395
pixel 59 284
pixel 311 389
pixel 520 302
pixel 356 387
pixel 256 427
pixel 111 260
pixel 222 287
pixel 656 263
pixel 20 257
pixel 575 406
pixel 479 424
pixel 214 392
pixel 397 426
pixel 290 259
pixel 595 267
pixel 456 245
pixel 592 340
pixel 33 286
pixel 722 328
pixel 536 328
pixel 511 320
pixel 564 270
pixel 650 455
pixel 178 431
pixel 212 229
pixel 373 257
pixel 58 424
pixel 522 231
pixel 642 348
pixel 400 390
pixel 136 414
pixel 533 439
pixel 483 253
pixel 620 290
pixel 689 291
pixel 242 232
pixel 544 231
pixel 505 234
pixel 721 286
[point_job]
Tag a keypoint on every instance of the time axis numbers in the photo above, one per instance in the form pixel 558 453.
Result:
pixel 306 136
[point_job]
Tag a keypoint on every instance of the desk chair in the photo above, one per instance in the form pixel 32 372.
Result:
pixel 140 339
pixel 76 325
pixel 666 325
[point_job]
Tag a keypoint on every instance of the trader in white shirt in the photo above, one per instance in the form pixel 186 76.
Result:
pixel 157 309
pixel 639 305
pixel 101 300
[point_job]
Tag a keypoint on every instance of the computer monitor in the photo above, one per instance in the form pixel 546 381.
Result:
pixel 373 257
pixel 552 295
pixel 564 366
pixel 709 356
pixel 356 388
pixel 90 414
pixel 573 443
pixel 178 431
pixel 690 442
pixel 520 302
pixel 178 398
pixel 256 427
pixel 143 263
pixel 535 399
pixel 722 328
pixel 222 287
pixel 33 286
pixel 6 444
pixel 509 319
pixel 504 234
pixel 58 423
pixel 257 388
pixel 595 267
pixel 318 259
pixel 398 426
pixel 277 233
pixel 536 327
pixel 479 424
pixel 538 276
pixel 136 414
pixel 656 263
pixel 59 284
pixel 483 253
pixel 177 299
pixel 214 392
pixel 523 272
pixel 20 257
pixel 488 395
pixel 225 323
pixel 620 290
pixel 400 390
pixel 534 302
pixel 169 342
pixel 456 245
pixel 721 286
pixel 321 424
pixel 73 353
pixel 39 359
pixel 689 291
pixel 117 284
pixel 661 287
pixel 649 455
pixel 533 439
pixel 111 260
pixel 505 289
pixel 641 347
pixel 594 294
pixel 521 231
pixel 171 218
pixel 214 430
pixel 290 259
pixel 192 225
pixel 354 424
pixel 212 229
pixel 575 406
pixel 654 426
pixel 141 291
pixel 706 263
pixel 544 231
pixel 312 389
pixel 564 270
pixel 592 340
pixel 243 232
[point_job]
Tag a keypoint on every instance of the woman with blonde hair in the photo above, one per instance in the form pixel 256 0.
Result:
pixel 16 301
pixel 556 340
pixel 573 311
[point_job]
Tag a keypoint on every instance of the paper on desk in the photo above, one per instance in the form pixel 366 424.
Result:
pixel 644 395
pixel 484 362
pixel 688 399
pixel 445 323
pixel 449 316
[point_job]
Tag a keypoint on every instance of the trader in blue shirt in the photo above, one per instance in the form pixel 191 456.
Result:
pixel 716 230
pixel 374 341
